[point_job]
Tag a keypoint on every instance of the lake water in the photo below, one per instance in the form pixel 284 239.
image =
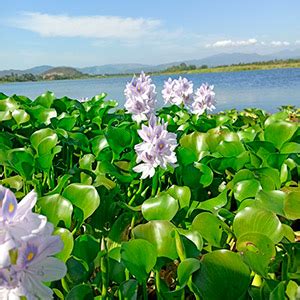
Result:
pixel 266 89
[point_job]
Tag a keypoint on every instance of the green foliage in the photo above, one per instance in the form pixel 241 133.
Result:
pixel 223 224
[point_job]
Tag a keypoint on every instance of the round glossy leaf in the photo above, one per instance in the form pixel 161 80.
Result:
pixel 186 268
pixel 68 241
pixel 206 174
pixel 83 196
pixel 258 220
pixel 271 200
pixel 292 205
pixel 269 178
pixel 257 250
pixel 86 247
pixel 181 193
pixel 56 208
pixel 80 292
pixel 279 132
pixel 161 207
pixel 229 149
pixel 139 257
pixel 222 275
pixel 22 161
pixel 118 138
pixel 195 142
pixel 290 147
pixel 20 116
pixel 45 99
pixel 159 233
pixel 38 137
pixel 42 115
pixel 215 203
pixel 194 236
pixel 210 228
pixel 47 144
pixel 246 189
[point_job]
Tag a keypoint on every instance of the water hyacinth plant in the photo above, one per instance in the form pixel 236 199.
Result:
pixel 140 97
pixel 157 148
pixel 27 248
pixel 221 222
pixel 180 92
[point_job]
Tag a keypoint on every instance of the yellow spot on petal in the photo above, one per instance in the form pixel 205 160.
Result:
pixel 11 208
pixel 30 256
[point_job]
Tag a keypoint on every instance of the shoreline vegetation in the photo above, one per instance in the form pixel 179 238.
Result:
pixel 67 73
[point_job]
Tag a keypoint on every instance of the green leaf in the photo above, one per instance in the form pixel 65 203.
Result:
pixel 80 292
pixel 210 228
pixel 129 289
pixel 257 250
pixel 222 275
pixel 292 205
pixel 77 271
pixel 195 143
pixel 83 196
pixel 68 241
pixel 271 200
pixel 215 203
pixel 161 207
pixel 20 116
pixel 159 233
pixel 258 220
pixel 44 140
pixel 41 114
pixel 118 138
pixel 139 257
pixel 206 174
pixel 246 189
pixel 86 247
pixel 181 193
pixel 56 208
pixel 45 100
pixel 186 268
pixel 279 132
pixel 229 149
pixel 22 161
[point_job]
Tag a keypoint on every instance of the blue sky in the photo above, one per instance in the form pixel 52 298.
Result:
pixel 94 32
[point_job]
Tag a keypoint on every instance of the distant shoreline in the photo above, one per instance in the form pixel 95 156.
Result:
pixel 294 64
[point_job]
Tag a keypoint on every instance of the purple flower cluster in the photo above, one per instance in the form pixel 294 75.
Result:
pixel 180 92
pixel 27 247
pixel 140 97
pixel 157 148
pixel 204 99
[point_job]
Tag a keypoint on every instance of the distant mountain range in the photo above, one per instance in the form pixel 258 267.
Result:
pixel 210 61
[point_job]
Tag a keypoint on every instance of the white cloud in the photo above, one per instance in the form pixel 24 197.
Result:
pixel 231 43
pixel 279 43
pixel 86 26
pixel 297 42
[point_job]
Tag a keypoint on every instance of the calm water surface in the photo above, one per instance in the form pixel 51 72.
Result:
pixel 262 89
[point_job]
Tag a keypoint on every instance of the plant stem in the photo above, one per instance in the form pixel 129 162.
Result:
pixel 145 294
pixel 154 184
pixel 137 193
pixel 104 272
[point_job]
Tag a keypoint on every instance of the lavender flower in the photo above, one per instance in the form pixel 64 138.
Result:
pixel 178 91
pixel 157 148
pixel 26 246
pixel 140 97
pixel 17 221
pixel 204 99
